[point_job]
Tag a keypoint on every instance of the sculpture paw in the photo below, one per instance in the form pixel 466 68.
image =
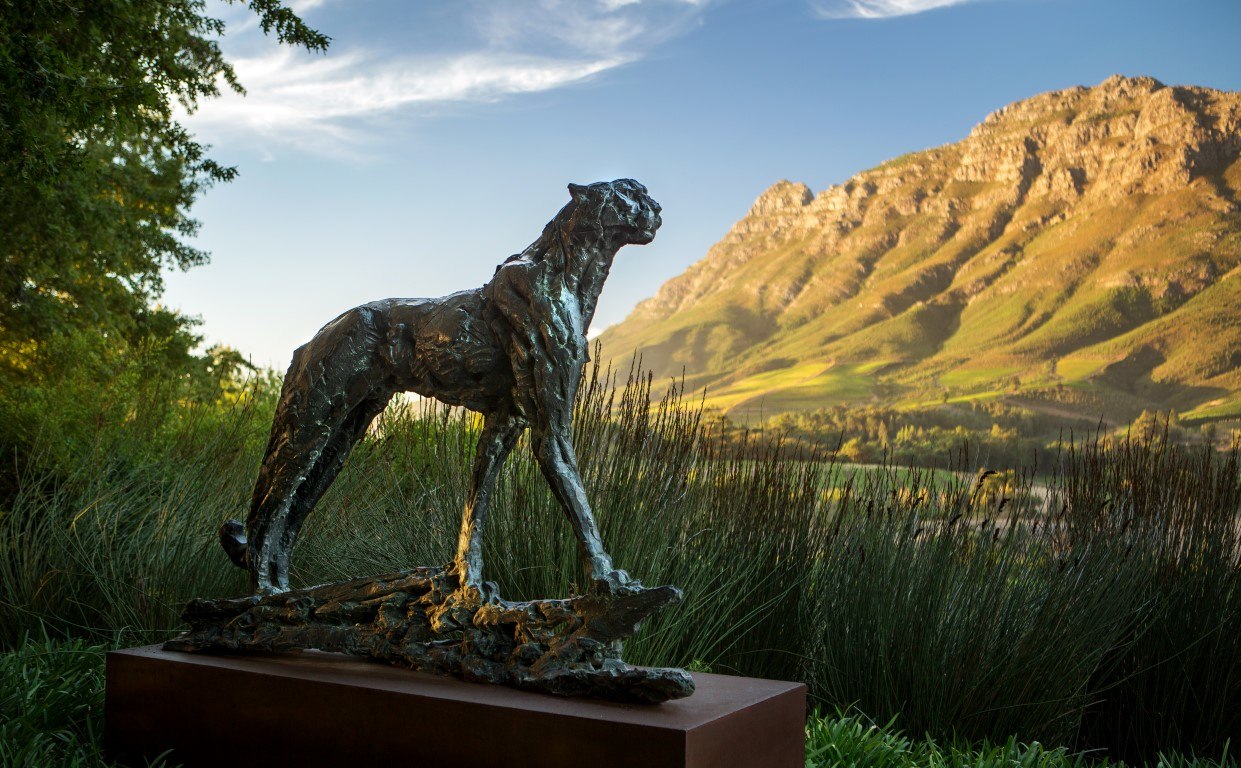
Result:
pixel 479 594
pixel 615 582
pixel 267 580
pixel 268 589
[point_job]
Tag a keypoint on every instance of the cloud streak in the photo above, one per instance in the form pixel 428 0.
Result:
pixel 596 26
pixel 316 103
pixel 331 104
pixel 878 9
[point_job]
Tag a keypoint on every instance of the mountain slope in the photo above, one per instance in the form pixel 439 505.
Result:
pixel 1080 249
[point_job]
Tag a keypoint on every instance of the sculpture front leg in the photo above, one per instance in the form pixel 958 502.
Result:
pixel 558 462
pixel 500 434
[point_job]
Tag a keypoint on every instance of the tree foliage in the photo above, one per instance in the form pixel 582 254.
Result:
pixel 96 174
pixel 97 177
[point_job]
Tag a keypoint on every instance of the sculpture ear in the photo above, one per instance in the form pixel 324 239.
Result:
pixel 578 192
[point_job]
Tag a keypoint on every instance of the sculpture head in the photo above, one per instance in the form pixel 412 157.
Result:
pixel 621 208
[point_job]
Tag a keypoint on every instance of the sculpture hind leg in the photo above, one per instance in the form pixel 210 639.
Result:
pixel 321 476
pixel 335 386
pixel 294 477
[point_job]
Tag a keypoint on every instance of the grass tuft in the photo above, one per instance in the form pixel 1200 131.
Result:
pixel 51 704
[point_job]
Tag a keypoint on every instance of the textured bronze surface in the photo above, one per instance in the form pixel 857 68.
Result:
pixel 513 350
pixel 418 618
pixel 315 709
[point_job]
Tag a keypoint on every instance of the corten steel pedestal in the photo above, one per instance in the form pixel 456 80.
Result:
pixel 326 709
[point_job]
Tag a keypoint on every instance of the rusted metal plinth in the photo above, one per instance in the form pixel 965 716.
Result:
pixel 326 709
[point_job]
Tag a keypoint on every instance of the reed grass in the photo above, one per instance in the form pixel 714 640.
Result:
pixel 1100 610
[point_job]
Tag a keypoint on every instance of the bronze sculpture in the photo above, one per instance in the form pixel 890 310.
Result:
pixel 512 350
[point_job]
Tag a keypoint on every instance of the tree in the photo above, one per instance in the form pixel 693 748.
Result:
pixel 96 175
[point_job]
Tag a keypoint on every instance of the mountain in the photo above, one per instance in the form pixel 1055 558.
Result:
pixel 1077 253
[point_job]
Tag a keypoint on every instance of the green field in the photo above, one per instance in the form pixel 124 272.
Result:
pixel 1226 411
pixel 799 387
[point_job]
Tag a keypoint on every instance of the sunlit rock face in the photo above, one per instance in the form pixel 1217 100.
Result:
pixel 1066 234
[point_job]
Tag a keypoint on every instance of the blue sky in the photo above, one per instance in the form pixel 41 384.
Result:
pixel 436 137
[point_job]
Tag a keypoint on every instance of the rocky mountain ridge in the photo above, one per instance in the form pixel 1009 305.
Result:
pixel 1085 240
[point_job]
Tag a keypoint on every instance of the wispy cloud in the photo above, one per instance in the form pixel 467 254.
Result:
pixel 598 26
pixel 328 103
pixel 878 9
pixel 317 103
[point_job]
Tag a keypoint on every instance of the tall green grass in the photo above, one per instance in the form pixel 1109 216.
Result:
pixel 1100 611
pixel 51 705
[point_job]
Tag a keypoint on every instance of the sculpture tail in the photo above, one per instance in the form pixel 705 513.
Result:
pixel 233 539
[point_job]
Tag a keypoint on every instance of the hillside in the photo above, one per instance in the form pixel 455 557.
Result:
pixel 1078 253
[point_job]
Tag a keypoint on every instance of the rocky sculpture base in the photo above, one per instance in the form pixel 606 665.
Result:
pixel 421 618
